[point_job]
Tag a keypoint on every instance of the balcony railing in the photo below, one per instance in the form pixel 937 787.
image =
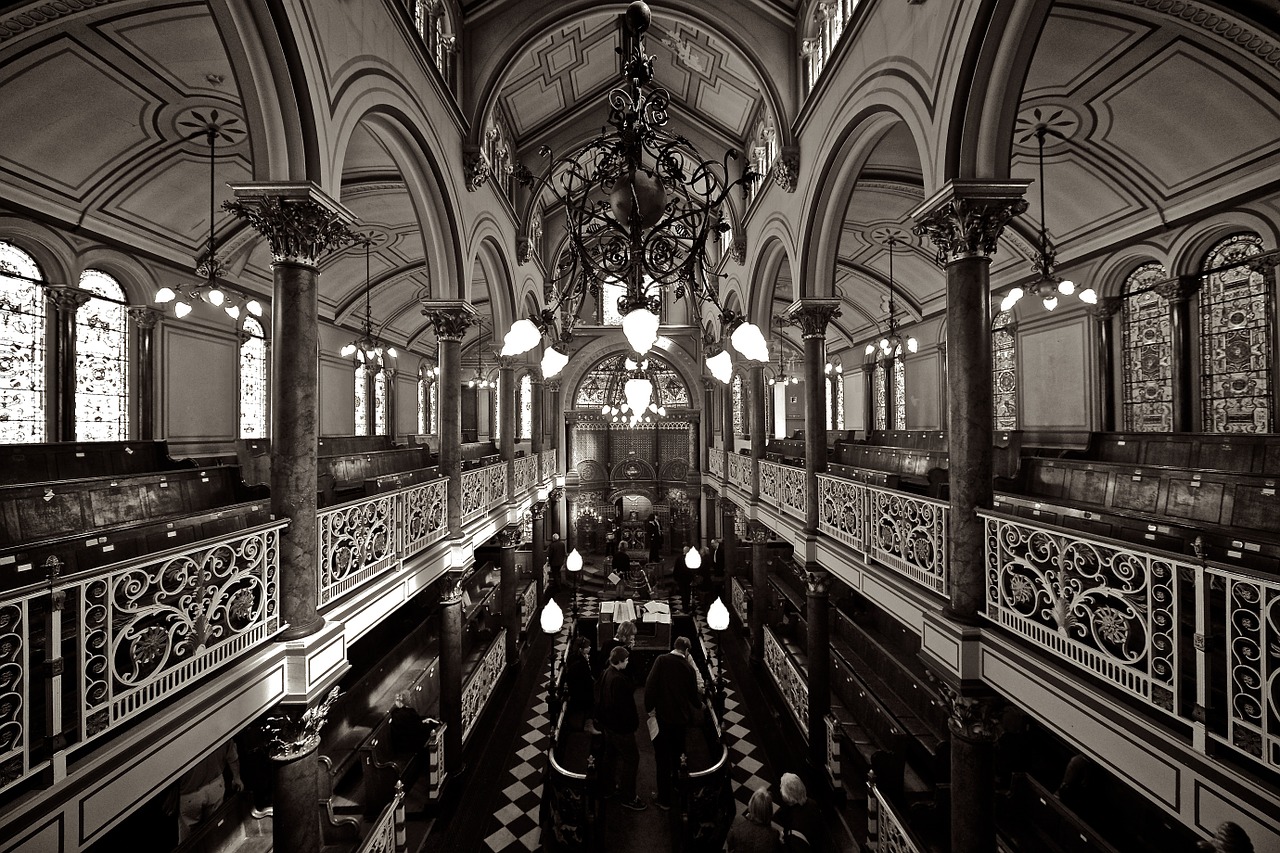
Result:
pixel 363 539
pixel 715 463
pixel 784 486
pixel 1249 617
pixel 483 489
pixel 480 686
pixel 789 678
pixel 547 465
pixel 741 471
pixel 526 474
pixel 886 830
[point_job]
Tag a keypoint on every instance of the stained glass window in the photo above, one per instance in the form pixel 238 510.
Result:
pixel 102 361
pixel 495 409
pixel 1147 345
pixel 22 330
pixel 602 383
pixel 433 404
pixel 880 395
pixel 739 415
pixel 899 393
pixel 362 400
pixel 380 402
pixel 840 401
pixel 422 405
pixel 1004 372
pixel 829 392
pixel 1235 339
pixel 526 407
pixel 253 380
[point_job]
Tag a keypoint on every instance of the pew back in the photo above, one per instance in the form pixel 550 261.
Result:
pixel 71 460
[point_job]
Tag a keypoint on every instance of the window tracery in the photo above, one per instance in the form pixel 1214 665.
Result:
pixel 22 355
pixel 1235 339
pixel 102 360
pixel 1004 373
pixel 1147 346
pixel 253 379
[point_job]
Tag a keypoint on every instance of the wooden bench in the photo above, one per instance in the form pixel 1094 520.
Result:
pixel 345 445
pixel 1030 818
pixel 788 451
pixel 400 480
pixel 1243 454
pixel 72 460
pixel 48 559
pixel 349 472
pixel 382 764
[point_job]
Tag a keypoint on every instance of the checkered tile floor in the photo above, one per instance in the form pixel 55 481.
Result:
pixel 514 825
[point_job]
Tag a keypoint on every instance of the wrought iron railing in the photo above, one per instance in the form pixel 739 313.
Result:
pixel 906 532
pixel 424 517
pixel 17 756
pixel 738 595
pixel 528 606
pixel 480 686
pixel 483 488
pixel 547 465
pixel 784 486
pixel 154 625
pixel 741 471
pixel 789 678
pixel 526 474
pixel 387 827
pixel 356 542
pixel 886 830
pixel 715 463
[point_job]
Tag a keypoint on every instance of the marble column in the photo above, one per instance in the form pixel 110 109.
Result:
pixel 817 583
pixel 570 512
pixel 708 422
pixel 451 669
pixel 301 224
pixel 1106 308
pixel 973 721
pixel 292 739
pixel 759 435
pixel 555 516
pixel 538 391
pixel 557 420
pixel 539 513
pixel 1180 293
pixel 66 302
pixel 506 392
pixel 759 588
pixel 964 219
pixel 812 316
pixel 507 538
pixel 145 319
pixel 451 319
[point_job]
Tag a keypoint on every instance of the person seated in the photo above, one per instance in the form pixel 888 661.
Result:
pixel 752 831
pixel 800 817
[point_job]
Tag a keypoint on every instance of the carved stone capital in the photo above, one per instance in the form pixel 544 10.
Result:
pixel 290 735
pixel 450 318
pixel 66 298
pixel 538 510
pixel 964 219
pixel 817 583
pixel 1265 264
pixel 506 362
pixel 812 315
pixel 786 169
pixel 971 717
pixel 556 494
pixel 508 536
pixel 300 222
pixel 758 533
pixel 145 317
pixel 1179 289
pixel 553 386
pixel 524 249
pixel 451 589
pixel 475 168
pixel 1106 308
pixel 708 492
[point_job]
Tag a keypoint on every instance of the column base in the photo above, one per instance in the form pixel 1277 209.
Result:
pixel 314 664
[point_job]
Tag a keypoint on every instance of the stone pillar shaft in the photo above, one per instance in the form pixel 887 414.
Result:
pixel 1103 311
pixel 539 513
pixel 759 436
pixel 506 392
pixel 295 827
pixel 538 402
pixel 817 584
pixel 1185 371
pixel 759 590
pixel 451 672
pixel 66 302
pixel 451 319
pixel 145 320
pixel 973 828
pixel 508 538
pixel 812 316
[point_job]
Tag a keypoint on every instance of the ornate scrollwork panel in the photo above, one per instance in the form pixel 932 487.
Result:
pixel 480 687
pixel 738 597
pixel 715 463
pixel 15 688
pixel 1252 648
pixel 910 534
pixel 424 515
pixel 842 510
pixel 356 542
pixel 795 489
pixel 791 682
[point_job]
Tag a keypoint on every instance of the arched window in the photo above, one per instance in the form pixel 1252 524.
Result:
pixel 880 395
pixel 526 407
pixel 102 360
pixel 362 399
pixel 839 380
pixel 739 407
pixel 380 402
pixel 433 405
pixel 1235 339
pixel 22 331
pixel 1004 372
pixel 495 413
pixel 253 379
pixel 829 18
pixel 1147 342
pixel 899 393
pixel 422 403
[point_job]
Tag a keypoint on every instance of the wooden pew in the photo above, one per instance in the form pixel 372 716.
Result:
pixel 349 472
pixel 345 445
pixel 400 480
pixel 1244 454
pixel 383 766
pixel 1031 818
pixel 73 460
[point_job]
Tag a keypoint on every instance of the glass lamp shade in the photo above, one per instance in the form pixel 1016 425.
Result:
pixel 1050 302
pixel 750 343
pixel 870 350
pixel 721 366
pixel 692 558
pixel 254 307
pixel 573 562
pixel 1089 296
pixel 553 361
pixel 641 328
pixel 912 345
pixel 215 297
pixel 182 309
pixel 166 294
pixel 233 311
pixel 520 338
pixel 552 618
pixel 1066 287
pixel 391 351
pixel 638 393
pixel 348 351
pixel 717 615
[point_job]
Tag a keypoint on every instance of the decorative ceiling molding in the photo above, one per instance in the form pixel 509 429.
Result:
pixel 39 14
pixel 1228 29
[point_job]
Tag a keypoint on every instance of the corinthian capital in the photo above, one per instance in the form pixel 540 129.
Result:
pixel 1106 308
pixel 451 318
pixel 964 219
pixel 143 316
pixel 971 717
pixel 300 222
pixel 67 298
pixel 812 315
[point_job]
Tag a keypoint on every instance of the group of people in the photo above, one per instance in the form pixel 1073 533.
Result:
pixel 795 826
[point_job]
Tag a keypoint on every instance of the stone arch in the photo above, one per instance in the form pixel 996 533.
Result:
pixel 138 281
pixel 52 252
pixel 1188 252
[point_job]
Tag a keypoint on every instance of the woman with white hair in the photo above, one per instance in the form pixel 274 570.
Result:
pixel 800 817
pixel 752 831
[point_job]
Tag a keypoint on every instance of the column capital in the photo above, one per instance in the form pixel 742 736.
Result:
pixel 817 582
pixel 812 314
pixel 509 536
pixel 451 588
pixel 1179 289
pixel 964 218
pixel 538 510
pixel 300 222
pixel 973 717
pixel 506 362
pixel 728 506
pixel 1264 263
pixel 556 493
pixel 536 380
pixel 708 492
pixel 475 167
pixel 758 533
pixel 553 385
pixel 291 736
pixel 786 170
pixel 450 317
pixel 67 298
pixel 144 316
pixel 1106 308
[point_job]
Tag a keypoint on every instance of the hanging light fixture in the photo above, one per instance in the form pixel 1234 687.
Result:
pixel 782 377
pixel 481 379
pixel 892 343
pixel 367 349
pixel 1048 286
pixel 211 291
pixel 633 395
pixel 642 209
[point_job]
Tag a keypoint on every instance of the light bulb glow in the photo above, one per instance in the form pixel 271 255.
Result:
pixel 181 309
pixel 520 338
pixel 641 328
pixel 638 393
pixel 717 615
pixel 692 558
pixel 1050 302
pixel 165 294
pixel 233 311
pixel 1066 287
pixel 721 366
pixel 553 361
pixel 871 348
pixel 1089 296
pixel 573 562
pixel 552 618
pixel 254 307
pixel 215 297
pixel 912 345
pixel 348 351
pixel 750 343
pixel 391 351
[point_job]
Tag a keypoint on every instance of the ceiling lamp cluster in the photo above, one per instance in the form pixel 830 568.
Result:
pixel 642 209
pixel 633 397
pixel 367 349
pixel 782 377
pixel 481 379
pixel 892 343
pixel 211 291
pixel 1047 285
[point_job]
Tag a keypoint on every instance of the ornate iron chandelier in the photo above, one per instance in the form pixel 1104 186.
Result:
pixel 642 208
pixel 367 349
pixel 892 343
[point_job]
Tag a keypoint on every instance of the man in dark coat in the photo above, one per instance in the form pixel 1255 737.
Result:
pixel 556 556
pixel 616 716
pixel 671 694
pixel 653 530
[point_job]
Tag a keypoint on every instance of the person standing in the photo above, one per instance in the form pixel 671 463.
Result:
pixel 621 563
pixel 752 832
pixel 556 556
pixel 671 695
pixel 801 819
pixel 579 684
pixel 202 788
pixel 653 530
pixel 616 716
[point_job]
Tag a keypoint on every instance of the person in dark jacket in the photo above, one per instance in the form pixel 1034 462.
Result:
pixel 556 555
pixel 621 561
pixel 617 718
pixel 653 532
pixel 579 683
pixel 800 817
pixel 671 695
